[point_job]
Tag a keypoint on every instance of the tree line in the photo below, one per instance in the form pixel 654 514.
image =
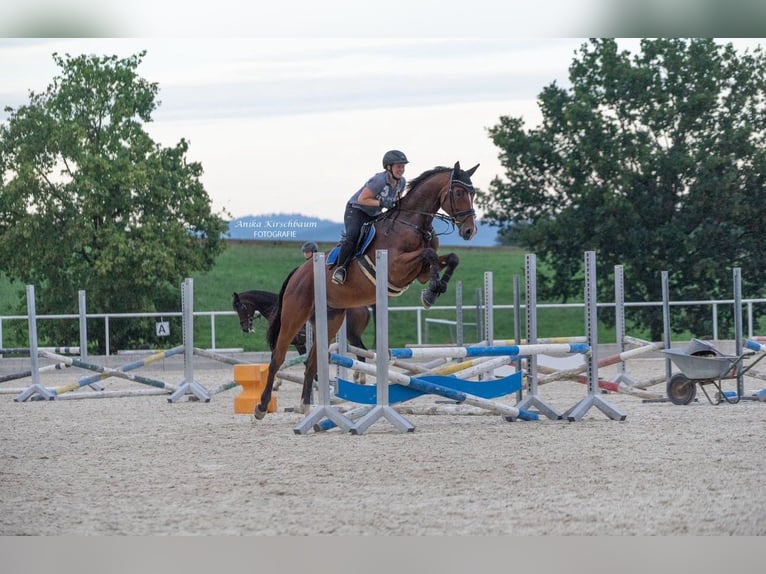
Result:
pixel 654 159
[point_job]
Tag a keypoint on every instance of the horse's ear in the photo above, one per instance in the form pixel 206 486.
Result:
pixel 236 297
pixel 457 166
pixel 471 171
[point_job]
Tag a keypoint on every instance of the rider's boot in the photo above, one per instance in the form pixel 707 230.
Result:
pixel 339 275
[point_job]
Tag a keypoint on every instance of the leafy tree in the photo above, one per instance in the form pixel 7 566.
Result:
pixel 89 201
pixel 656 161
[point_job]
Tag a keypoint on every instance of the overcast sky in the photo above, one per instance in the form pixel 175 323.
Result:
pixel 296 125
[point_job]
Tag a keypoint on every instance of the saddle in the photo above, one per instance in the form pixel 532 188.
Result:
pixel 367 265
pixel 366 235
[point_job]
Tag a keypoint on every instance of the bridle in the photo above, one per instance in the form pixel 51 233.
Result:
pixel 460 216
pixel 247 323
pixel 456 219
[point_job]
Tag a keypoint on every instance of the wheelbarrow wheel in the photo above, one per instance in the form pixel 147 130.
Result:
pixel 681 390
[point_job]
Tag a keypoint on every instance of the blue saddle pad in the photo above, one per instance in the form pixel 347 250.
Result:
pixel 332 258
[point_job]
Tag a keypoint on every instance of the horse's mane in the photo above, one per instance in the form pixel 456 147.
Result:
pixel 425 175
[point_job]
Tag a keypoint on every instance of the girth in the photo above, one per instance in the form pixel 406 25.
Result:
pixel 368 269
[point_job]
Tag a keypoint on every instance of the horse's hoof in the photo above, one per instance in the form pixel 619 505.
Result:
pixel 302 409
pixel 427 298
pixel 258 413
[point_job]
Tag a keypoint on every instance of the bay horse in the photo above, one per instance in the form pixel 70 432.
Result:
pixel 406 231
pixel 246 303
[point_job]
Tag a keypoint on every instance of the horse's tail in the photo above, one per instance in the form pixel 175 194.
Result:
pixel 276 324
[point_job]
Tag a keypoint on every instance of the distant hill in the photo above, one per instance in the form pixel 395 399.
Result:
pixel 296 227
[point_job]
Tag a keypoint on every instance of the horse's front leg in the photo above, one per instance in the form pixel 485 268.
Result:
pixel 436 284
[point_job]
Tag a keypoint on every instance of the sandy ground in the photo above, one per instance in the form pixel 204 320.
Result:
pixel 144 466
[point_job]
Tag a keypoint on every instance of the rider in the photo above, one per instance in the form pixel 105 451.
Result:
pixel 308 249
pixel 381 191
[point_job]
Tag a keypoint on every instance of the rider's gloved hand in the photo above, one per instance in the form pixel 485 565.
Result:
pixel 387 202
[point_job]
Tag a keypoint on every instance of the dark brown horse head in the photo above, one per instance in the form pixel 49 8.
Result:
pixel 245 314
pixel 457 201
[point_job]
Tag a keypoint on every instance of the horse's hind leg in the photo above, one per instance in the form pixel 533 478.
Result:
pixel 277 358
pixel 356 321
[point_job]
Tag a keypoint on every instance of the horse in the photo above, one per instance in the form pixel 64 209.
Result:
pixel 406 231
pixel 247 303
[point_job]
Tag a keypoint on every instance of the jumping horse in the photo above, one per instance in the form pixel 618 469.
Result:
pixel 406 231
pixel 247 303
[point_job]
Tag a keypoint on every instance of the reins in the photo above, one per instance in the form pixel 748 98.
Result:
pixel 451 220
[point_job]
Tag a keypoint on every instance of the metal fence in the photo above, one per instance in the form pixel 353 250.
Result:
pixel 422 321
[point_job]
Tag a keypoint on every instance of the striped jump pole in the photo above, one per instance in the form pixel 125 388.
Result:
pixel 115 394
pixel 542 340
pixel 509 412
pixel 25 351
pixel 487 363
pixel 123 369
pixel 368 354
pixel 91 367
pixel 463 369
pixel 472 367
pixel 605 362
pixel 507 350
pixel 218 357
pixel 24 374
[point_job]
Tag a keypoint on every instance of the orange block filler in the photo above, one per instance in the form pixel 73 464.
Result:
pixel 252 378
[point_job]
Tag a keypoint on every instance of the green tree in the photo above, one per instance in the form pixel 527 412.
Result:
pixel 656 161
pixel 89 201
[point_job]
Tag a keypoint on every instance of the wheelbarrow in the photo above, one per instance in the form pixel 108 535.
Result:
pixel 702 364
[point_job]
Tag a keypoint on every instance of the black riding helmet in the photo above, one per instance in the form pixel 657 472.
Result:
pixel 309 246
pixel 394 156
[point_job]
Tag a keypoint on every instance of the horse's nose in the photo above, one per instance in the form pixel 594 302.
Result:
pixel 469 232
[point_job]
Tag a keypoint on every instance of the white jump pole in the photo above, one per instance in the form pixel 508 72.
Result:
pixel 322 344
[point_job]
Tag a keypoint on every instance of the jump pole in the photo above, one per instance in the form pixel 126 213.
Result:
pixel 25 374
pixel 607 361
pixel 106 370
pixel 499 351
pixel 123 369
pixel 509 412
pixel 323 409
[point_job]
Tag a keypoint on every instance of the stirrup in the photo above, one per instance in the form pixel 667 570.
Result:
pixel 339 276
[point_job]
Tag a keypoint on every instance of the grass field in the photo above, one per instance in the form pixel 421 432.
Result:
pixel 264 265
